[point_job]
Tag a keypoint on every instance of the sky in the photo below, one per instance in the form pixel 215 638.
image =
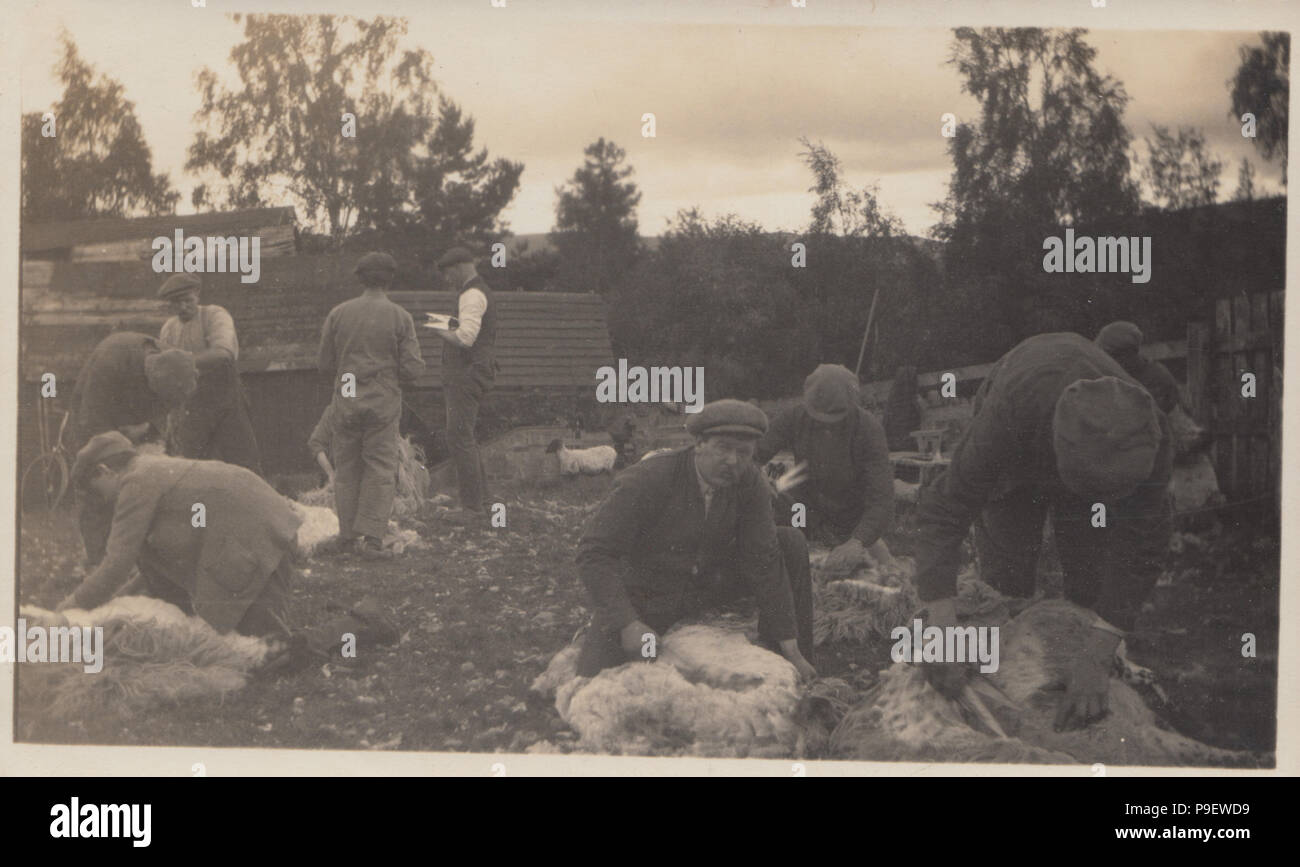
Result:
pixel 732 87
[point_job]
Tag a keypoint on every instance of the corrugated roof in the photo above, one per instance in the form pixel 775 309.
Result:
pixel 38 237
pixel 544 339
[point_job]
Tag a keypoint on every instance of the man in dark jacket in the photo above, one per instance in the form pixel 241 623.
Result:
pixel 1058 425
pixel 687 529
pixel 849 494
pixel 468 372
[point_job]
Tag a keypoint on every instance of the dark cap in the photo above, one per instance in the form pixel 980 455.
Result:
pixel 830 392
pixel 179 283
pixel 455 256
pixel 733 417
pixel 1105 433
pixel 1119 337
pixel 376 263
pixel 100 448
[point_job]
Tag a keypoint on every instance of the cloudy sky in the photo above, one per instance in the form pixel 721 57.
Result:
pixel 733 87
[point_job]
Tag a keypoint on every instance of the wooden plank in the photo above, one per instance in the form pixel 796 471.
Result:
pixel 1198 369
pixel 1222 319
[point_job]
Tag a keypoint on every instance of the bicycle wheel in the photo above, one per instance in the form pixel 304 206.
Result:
pixel 44 483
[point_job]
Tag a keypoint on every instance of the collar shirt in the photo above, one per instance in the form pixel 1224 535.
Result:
pixel 473 304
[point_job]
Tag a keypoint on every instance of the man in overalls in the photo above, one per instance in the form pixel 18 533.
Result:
pixel 215 423
pixel 468 372
pixel 368 345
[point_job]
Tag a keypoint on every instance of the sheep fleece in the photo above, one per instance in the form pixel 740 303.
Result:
pixel 710 693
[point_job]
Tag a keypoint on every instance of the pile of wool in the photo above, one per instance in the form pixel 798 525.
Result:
pixel 710 693
pixel 319 524
pixel 153 653
pixel 867 604
pixel 903 718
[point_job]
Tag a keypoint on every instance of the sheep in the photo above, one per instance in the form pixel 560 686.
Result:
pixel 903 718
pixel 710 693
pixel 154 654
pixel 588 462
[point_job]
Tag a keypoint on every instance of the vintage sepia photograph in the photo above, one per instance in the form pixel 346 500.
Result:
pixel 578 379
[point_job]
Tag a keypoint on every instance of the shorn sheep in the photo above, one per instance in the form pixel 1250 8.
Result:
pixel 587 462
pixel 153 654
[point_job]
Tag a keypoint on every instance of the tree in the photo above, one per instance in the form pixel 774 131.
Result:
pixel 595 220
pixel 1050 149
pixel 96 163
pixel 849 213
pixel 1181 172
pixel 1262 87
pixel 334 116
pixel 1245 182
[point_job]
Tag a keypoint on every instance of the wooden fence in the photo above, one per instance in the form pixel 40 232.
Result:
pixel 1245 337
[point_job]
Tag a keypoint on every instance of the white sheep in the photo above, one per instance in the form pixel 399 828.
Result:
pixel 587 462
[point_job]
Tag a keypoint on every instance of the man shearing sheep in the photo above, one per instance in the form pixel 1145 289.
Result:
pixel 128 384
pixel 687 529
pixel 232 568
pixel 849 494
pixel 1057 425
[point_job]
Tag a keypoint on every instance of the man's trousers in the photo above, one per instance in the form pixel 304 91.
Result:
pixel 365 467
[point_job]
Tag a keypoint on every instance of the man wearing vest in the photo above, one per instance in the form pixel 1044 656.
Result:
pixel 468 372
pixel 215 425
pixel 368 347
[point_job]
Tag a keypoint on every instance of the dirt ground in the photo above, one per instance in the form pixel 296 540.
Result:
pixel 481 612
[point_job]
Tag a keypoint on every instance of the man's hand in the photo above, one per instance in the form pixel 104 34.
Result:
pixel 846 557
pixel 1087 690
pixel 947 678
pixel 790 650
pixel 135 432
pixel 631 637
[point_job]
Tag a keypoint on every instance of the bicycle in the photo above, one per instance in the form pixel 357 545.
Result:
pixel 45 481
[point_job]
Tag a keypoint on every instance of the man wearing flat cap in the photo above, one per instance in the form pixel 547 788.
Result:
pixel 128 384
pixel 1122 341
pixel 215 422
pixel 849 492
pixel 689 529
pixel 468 372
pixel 369 349
pixel 1058 425
pixel 233 570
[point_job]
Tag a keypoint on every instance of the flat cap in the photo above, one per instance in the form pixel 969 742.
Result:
pixel 100 448
pixel 1119 336
pixel 376 263
pixel 1105 433
pixel 178 283
pixel 830 392
pixel 455 256
pixel 728 416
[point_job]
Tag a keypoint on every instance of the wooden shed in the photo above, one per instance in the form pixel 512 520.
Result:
pixel 118 240
pixel 548 343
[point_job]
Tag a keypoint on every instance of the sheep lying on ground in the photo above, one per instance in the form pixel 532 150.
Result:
pixel 153 653
pixel 903 718
pixel 710 693
pixel 588 462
